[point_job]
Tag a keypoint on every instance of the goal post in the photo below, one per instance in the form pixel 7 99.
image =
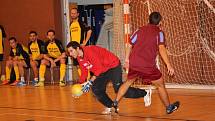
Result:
pixel 189 27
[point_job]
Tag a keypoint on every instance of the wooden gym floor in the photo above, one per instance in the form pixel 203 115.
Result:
pixel 54 103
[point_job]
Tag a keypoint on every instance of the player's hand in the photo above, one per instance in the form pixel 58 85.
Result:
pixel 55 60
pixel 86 86
pixel 53 64
pixel 31 58
pixel 84 43
pixel 170 70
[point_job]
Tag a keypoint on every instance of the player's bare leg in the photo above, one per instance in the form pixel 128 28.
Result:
pixel 159 84
pixel 164 96
pixel 62 72
pixel 35 71
pixel 122 90
pixel 21 65
pixel 16 70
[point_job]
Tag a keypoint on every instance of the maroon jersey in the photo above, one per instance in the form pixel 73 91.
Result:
pixel 145 43
pixel 98 60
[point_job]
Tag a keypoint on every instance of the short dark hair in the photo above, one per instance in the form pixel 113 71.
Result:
pixel 75 9
pixel 155 18
pixel 33 32
pixel 73 44
pixel 12 38
pixel 50 30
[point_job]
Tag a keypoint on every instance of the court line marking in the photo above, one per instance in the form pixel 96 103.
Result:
pixel 152 117
pixel 55 88
pixel 47 116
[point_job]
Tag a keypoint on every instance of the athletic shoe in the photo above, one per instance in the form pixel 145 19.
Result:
pixel 5 82
pixel 34 82
pixel 172 107
pixel 115 106
pixel 15 83
pixel 62 83
pixel 39 84
pixel 21 83
pixel 107 111
pixel 147 97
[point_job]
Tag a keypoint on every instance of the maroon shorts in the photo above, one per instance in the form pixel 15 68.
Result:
pixel 146 76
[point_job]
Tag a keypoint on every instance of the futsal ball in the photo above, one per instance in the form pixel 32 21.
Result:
pixel 77 90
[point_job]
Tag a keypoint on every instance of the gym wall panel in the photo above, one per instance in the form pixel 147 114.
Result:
pixel 20 16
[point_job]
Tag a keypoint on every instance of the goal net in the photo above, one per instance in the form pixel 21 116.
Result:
pixel 189 27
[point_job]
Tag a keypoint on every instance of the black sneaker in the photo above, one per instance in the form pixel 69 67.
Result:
pixel 115 106
pixel 172 107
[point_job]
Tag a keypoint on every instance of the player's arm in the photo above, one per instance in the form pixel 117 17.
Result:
pixel 89 32
pixel 93 78
pixel 129 46
pixel 62 56
pixel 30 53
pixel 30 57
pixel 40 57
pixel 10 58
pixel 11 55
pixel 42 47
pixel 87 36
pixel 163 54
pixel 16 58
pixel 45 53
pixel 3 32
pixel 4 35
pixel 127 52
pixel 62 50
pixel 84 72
pixel 46 56
pixel 19 50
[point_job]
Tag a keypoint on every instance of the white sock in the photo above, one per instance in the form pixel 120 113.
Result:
pixel 22 79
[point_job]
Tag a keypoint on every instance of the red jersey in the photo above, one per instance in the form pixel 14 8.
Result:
pixel 145 43
pixel 98 60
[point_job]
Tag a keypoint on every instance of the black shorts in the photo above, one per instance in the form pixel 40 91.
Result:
pixel 38 62
pixel 1 57
pixel 57 63
pixel 28 63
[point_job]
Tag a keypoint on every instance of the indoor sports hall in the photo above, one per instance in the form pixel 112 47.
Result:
pixel 50 81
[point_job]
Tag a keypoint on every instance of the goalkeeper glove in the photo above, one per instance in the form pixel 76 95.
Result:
pixel 86 86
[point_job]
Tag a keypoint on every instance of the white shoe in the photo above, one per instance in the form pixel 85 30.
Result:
pixel 107 111
pixel 147 97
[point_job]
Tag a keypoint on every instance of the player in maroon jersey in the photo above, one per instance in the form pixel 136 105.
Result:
pixel 146 43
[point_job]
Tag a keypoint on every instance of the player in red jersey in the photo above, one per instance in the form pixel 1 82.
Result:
pixel 105 66
pixel 145 44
